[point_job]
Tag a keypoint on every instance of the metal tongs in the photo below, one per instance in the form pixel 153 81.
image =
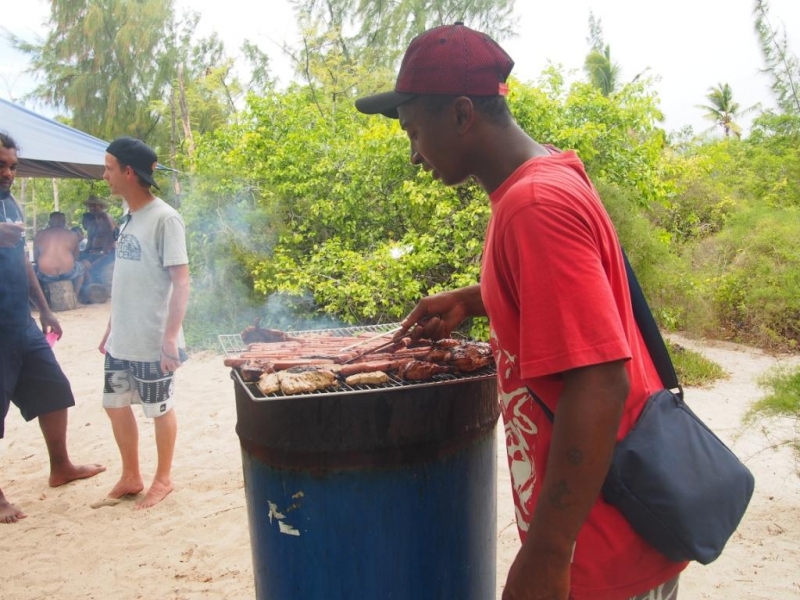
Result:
pixel 370 339
pixel 380 335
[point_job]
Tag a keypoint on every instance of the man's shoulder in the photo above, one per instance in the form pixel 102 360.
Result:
pixel 163 209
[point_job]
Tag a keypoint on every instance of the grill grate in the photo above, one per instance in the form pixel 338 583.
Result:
pixel 232 345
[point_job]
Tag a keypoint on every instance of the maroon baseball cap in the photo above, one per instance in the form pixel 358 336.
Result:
pixel 451 60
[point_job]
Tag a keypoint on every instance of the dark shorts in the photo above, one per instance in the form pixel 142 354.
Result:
pixel 76 272
pixel 30 376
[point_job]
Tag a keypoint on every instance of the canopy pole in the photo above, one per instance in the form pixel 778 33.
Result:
pixel 55 195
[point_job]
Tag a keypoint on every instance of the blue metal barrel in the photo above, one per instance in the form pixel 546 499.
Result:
pixel 385 495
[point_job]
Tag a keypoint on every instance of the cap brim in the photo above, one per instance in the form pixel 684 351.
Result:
pixel 385 104
pixel 146 177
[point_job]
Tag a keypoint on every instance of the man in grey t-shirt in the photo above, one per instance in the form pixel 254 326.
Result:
pixel 143 343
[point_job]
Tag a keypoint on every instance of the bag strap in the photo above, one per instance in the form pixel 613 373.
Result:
pixel 651 335
pixel 650 332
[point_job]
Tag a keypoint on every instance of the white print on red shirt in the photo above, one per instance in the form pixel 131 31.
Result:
pixel 517 427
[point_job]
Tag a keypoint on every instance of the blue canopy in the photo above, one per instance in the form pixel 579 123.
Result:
pixel 48 148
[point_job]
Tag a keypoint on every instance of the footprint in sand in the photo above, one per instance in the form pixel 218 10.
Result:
pixel 112 501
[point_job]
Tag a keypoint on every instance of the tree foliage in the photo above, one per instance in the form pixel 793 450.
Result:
pixel 125 67
pixel 341 38
pixel 105 62
pixel 300 209
pixel 618 137
pixel 325 211
pixel 782 64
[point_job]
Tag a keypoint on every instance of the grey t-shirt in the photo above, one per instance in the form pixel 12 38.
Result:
pixel 153 239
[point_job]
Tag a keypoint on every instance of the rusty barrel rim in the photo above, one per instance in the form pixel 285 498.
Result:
pixel 385 428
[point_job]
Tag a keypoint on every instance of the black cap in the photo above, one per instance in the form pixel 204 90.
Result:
pixel 137 155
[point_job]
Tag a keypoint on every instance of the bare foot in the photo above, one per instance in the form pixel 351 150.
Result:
pixel 157 492
pixel 10 513
pixel 71 472
pixel 126 487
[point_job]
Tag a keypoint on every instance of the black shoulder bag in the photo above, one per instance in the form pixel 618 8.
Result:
pixel 675 482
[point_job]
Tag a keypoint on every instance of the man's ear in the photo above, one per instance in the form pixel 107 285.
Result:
pixel 464 112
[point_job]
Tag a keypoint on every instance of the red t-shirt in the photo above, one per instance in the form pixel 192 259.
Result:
pixel 554 287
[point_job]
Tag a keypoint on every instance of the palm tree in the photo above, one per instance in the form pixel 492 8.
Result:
pixel 723 110
pixel 602 73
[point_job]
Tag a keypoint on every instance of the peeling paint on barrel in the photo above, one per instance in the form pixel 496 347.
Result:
pixel 283 526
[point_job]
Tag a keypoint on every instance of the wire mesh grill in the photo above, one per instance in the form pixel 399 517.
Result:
pixel 232 345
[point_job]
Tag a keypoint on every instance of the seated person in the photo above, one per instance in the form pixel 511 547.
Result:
pixel 55 252
pixel 82 241
pixel 99 226
pixel 99 254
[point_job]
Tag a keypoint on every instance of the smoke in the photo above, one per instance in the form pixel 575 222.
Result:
pixel 225 235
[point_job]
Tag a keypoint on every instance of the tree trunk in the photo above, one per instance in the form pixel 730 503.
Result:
pixel 187 126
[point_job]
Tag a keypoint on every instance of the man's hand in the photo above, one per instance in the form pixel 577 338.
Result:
pixel 102 346
pixel 11 234
pixel 170 357
pixel 49 322
pixel 538 575
pixel 435 317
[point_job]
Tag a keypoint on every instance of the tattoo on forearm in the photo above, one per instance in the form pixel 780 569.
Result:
pixel 558 497
pixel 575 456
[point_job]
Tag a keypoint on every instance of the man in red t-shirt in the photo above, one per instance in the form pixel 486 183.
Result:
pixel 554 287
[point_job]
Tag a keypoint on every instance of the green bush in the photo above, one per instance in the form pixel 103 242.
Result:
pixel 782 385
pixel 782 400
pixel 663 275
pixel 750 272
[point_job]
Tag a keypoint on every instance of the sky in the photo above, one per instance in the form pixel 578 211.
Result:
pixel 687 45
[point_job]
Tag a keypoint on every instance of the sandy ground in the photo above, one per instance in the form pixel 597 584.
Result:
pixel 195 544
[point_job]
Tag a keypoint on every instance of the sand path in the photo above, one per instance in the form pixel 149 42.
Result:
pixel 195 544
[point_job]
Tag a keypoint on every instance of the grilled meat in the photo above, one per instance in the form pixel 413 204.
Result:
pixel 446 343
pixel 372 378
pixel 370 366
pixel 269 383
pixel 254 367
pixel 256 333
pixel 470 356
pixel 419 370
pixel 304 380
pixel 309 362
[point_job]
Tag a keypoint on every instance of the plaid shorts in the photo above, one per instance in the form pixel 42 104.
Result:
pixel 130 382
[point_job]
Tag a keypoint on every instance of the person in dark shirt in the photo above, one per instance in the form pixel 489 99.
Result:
pixel 99 255
pixel 30 376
